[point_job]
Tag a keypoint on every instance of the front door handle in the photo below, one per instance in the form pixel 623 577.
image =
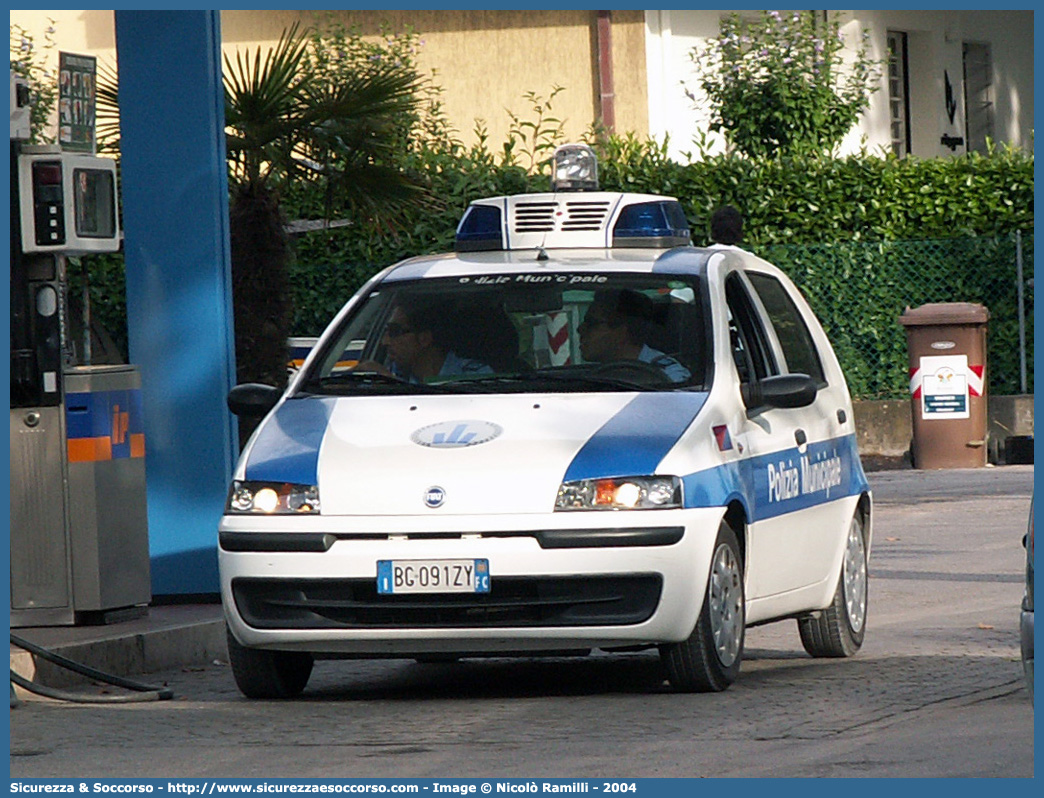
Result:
pixel 800 437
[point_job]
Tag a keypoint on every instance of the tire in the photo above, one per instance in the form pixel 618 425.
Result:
pixel 268 674
pixel 708 661
pixel 838 630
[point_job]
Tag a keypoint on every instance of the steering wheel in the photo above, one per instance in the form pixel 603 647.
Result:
pixel 636 371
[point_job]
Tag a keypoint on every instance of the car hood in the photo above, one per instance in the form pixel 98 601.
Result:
pixel 477 454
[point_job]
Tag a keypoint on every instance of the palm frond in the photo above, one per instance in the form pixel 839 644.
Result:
pixel 107 107
pixel 263 105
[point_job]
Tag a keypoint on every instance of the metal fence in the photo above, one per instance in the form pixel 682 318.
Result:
pixel 859 290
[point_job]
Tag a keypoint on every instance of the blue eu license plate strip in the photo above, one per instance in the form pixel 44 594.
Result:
pixel 395 577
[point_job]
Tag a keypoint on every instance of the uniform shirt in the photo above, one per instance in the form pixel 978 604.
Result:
pixel 674 370
pixel 453 366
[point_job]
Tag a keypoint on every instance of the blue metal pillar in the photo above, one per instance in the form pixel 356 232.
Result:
pixel 179 298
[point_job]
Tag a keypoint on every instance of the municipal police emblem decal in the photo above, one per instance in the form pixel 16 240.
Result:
pixel 456 434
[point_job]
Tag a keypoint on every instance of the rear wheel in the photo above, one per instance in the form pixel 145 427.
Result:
pixel 838 630
pixel 709 660
pixel 268 674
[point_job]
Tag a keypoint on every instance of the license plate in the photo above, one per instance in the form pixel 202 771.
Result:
pixel 432 576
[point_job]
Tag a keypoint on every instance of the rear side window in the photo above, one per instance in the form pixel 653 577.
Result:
pixel 791 330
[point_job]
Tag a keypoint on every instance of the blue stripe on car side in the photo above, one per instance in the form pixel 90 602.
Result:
pixel 781 482
pixel 636 439
pixel 287 447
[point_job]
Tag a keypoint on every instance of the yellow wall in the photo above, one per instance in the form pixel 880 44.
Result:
pixel 485 60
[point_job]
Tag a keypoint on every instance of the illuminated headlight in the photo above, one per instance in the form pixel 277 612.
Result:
pixel 272 498
pixel 621 493
pixel 574 168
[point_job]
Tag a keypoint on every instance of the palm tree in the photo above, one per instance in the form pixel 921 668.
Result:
pixel 290 117
pixel 288 121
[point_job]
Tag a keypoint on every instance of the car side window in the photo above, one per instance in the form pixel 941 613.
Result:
pixel 750 347
pixel 791 331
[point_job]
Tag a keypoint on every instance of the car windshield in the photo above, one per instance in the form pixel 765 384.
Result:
pixel 519 333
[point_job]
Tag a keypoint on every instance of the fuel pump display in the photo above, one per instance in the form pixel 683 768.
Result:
pixel 79 532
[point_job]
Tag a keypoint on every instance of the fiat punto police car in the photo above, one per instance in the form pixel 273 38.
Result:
pixel 576 432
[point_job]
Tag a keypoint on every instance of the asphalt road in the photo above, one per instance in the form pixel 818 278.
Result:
pixel 935 692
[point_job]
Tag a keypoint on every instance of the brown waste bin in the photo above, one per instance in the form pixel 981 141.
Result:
pixel 947 346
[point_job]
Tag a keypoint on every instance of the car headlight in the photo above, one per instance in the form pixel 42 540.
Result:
pixel 621 493
pixel 272 498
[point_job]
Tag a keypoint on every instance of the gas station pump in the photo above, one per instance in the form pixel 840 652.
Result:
pixel 79 530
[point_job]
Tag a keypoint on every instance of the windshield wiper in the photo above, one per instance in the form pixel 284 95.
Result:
pixel 368 379
pixel 561 378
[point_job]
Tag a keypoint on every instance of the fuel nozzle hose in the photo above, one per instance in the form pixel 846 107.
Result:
pixel 140 692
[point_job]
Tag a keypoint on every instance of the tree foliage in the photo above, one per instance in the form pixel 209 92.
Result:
pixel 324 110
pixel 780 84
pixel 35 62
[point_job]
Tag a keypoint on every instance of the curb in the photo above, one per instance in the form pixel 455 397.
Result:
pixel 168 637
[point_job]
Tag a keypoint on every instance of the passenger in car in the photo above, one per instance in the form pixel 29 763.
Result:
pixel 614 328
pixel 415 341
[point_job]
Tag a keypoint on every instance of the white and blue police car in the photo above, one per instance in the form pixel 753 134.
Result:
pixel 577 431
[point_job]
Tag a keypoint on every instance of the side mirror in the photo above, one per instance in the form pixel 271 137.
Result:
pixel 252 399
pixel 782 390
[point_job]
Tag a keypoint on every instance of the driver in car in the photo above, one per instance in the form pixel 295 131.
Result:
pixel 613 329
pixel 414 338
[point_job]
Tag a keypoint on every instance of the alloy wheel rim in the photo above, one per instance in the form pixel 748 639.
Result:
pixel 855 577
pixel 726 605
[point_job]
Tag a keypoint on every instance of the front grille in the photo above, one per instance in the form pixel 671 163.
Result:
pixel 512 602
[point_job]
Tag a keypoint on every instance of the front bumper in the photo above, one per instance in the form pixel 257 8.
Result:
pixel 558 582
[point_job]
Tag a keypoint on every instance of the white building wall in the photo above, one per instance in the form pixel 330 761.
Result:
pixel 935 42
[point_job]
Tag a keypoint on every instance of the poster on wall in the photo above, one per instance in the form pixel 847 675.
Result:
pixel 76 102
pixel 944 387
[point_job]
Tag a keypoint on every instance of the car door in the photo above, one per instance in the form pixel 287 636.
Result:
pixel 790 459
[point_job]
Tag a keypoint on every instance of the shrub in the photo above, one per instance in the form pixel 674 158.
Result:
pixel 779 85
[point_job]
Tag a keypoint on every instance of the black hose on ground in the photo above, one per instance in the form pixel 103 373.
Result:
pixel 141 692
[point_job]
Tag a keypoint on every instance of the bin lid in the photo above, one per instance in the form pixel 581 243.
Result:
pixel 941 313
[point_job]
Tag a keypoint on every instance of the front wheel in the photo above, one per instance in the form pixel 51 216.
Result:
pixel 838 630
pixel 709 660
pixel 268 674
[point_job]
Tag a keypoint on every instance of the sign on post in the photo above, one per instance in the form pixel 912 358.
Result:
pixel 76 102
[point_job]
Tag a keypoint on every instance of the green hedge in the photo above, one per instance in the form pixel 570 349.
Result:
pixel 859 290
pixel 821 200
pixel 813 204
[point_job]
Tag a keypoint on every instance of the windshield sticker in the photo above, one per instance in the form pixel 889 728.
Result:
pixel 539 279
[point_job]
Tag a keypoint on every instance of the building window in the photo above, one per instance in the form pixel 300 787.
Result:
pixel 978 95
pixel 898 93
